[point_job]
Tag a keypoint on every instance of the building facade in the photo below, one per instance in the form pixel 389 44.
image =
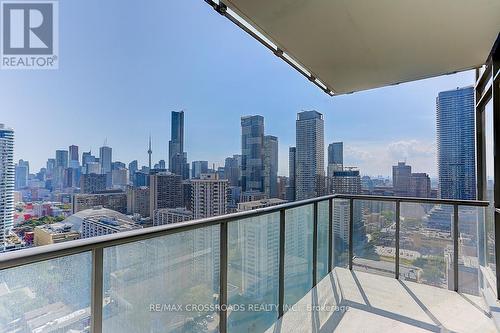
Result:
pixel 209 196
pixel 271 166
pixel 252 153
pixel 7 179
pixel 164 216
pixel 198 167
pixel 401 179
pixel 92 183
pixel 165 191
pixel 456 144
pixel 114 200
pixel 335 158
pixel 177 157
pixel 105 159
pixel 232 170
pixel 138 201
pixel 310 155
pixel 290 189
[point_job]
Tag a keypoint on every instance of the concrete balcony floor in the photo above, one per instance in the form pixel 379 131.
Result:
pixel 373 303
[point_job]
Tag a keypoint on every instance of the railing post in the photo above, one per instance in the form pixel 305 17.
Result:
pixel 223 279
pixel 398 234
pixel 315 244
pixel 281 280
pixel 455 247
pixel 330 235
pixel 97 290
pixel 351 231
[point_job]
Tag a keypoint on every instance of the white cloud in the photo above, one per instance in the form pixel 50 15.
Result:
pixel 377 158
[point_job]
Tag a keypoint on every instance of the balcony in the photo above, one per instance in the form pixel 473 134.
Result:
pixel 342 263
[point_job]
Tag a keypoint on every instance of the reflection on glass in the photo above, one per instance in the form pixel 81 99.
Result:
pixel 298 253
pixel 374 237
pixel 468 261
pixel 47 296
pixel 490 183
pixel 341 211
pixel 323 230
pixel 426 244
pixel 164 284
pixel 253 273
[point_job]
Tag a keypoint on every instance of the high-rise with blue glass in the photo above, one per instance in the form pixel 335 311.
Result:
pixel 176 154
pixel 252 152
pixel 310 155
pixel 7 181
pixel 456 144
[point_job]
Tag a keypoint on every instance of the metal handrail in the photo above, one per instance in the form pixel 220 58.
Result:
pixel 96 245
pixel 52 251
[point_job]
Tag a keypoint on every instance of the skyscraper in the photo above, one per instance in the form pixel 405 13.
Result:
pixel 74 157
pixel 409 184
pixel 198 167
pixel 456 144
pixel 62 159
pixel 271 166
pixel 420 185
pixel 165 191
pixel 208 196
pixel 336 153
pixel 401 179
pixel 105 158
pixel 335 158
pixel 290 191
pixel 7 181
pixel 177 157
pixel 61 166
pixel 232 170
pixel 252 152
pixel 133 167
pixel 92 183
pixel 22 172
pixel 87 158
pixel 346 182
pixel 310 155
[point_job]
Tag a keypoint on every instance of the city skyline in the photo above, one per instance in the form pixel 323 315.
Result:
pixel 379 126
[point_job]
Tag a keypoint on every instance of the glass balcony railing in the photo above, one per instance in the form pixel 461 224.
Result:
pixel 238 272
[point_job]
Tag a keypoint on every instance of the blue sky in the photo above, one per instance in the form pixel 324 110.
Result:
pixel 124 65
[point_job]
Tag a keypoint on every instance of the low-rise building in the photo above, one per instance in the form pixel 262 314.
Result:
pixel 251 205
pixel 171 215
pixel 104 221
pixel 54 233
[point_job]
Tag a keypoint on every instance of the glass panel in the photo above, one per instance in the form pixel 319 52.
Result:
pixel 164 284
pixel 374 237
pixel 298 253
pixel 253 273
pixel 490 183
pixel 426 244
pixel 48 296
pixel 323 227
pixel 468 261
pixel 341 211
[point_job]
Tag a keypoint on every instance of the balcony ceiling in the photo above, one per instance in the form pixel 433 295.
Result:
pixel 364 44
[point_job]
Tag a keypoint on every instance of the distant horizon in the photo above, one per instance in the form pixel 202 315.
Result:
pixel 215 78
pixel 95 152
